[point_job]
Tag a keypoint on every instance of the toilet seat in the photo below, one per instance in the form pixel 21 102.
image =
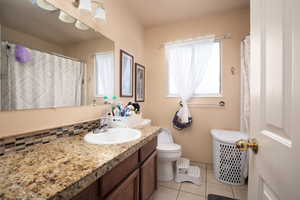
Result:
pixel 168 148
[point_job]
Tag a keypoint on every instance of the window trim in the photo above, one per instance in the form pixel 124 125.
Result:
pixel 219 95
pixel 198 96
pixel 95 74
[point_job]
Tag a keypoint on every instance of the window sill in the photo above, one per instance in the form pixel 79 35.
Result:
pixel 198 96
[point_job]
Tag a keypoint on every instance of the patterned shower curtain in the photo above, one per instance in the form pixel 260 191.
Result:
pixel 0 64
pixel 245 85
pixel 45 81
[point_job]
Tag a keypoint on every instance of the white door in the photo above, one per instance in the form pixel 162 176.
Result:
pixel 275 100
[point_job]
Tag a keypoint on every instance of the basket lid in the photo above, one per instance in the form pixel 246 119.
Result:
pixel 228 136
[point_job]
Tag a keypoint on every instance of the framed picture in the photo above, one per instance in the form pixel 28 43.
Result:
pixel 126 74
pixel 139 83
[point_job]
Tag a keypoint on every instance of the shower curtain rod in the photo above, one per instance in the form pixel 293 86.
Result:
pixel 217 38
pixel 49 52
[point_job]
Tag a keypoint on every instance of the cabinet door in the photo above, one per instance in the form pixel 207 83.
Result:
pixel 129 188
pixel 90 193
pixel 148 182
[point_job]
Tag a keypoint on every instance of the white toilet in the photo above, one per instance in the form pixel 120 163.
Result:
pixel 168 152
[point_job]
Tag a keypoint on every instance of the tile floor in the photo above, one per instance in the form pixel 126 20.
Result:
pixel 188 191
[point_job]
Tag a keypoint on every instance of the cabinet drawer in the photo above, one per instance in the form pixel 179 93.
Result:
pixel 128 190
pixel 148 149
pixel 114 177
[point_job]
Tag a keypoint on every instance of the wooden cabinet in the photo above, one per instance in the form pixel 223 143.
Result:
pixel 135 178
pixel 148 149
pixel 129 189
pixel 90 193
pixel 148 173
pixel 118 174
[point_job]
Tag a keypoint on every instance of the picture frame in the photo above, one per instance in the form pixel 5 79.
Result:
pixel 140 75
pixel 126 74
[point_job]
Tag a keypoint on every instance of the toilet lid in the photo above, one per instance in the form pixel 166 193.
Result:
pixel 168 147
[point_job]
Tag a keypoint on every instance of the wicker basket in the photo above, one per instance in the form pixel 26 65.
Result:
pixel 229 162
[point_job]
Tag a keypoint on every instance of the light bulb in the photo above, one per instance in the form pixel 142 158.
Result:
pixel 45 5
pixel 66 18
pixel 81 26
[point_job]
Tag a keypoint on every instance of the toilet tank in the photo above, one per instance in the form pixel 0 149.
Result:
pixel 165 137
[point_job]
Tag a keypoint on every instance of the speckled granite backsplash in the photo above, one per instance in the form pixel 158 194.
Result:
pixel 21 142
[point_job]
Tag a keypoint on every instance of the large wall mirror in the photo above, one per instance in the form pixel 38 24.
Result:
pixel 49 59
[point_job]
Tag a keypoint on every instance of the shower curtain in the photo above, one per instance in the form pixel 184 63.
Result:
pixel 45 81
pixel 245 85
pixel 245 93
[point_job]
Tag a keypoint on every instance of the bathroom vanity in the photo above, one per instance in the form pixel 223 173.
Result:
pixel 70 168
pixel 132 179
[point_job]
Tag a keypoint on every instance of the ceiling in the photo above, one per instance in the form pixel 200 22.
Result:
pixel 26 17
pixel 157 12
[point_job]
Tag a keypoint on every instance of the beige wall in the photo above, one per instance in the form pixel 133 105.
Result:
pixel 86 51
pixel 127 34
pixel 17 37
pixel 196 140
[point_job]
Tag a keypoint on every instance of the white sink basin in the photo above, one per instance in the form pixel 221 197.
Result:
pixel 113 136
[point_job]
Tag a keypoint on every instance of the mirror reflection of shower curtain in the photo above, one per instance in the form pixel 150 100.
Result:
pixel 45 81
pixel 245 85
pixel 0 63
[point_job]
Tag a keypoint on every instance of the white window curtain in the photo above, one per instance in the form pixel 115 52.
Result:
pixel 187 63
pixel 45 81
pixel 105 76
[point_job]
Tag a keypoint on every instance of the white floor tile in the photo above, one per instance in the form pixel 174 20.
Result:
pixel 189 196
pixel 219 189
pixel 192 188
pixel 188 191
pixel 164 193
pixel 240 193
pixel 210 177
pixel 170 184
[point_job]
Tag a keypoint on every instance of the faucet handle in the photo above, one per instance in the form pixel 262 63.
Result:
pixel 104 121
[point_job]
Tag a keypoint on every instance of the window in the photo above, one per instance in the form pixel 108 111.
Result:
pixel 105 76
pixel 188 56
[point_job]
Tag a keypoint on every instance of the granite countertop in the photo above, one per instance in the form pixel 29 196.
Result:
pixel 62 168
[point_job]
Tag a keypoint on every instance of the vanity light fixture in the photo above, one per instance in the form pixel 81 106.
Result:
pixel 45 5
pixel 65 17
pixel 86 5
pixel 81 26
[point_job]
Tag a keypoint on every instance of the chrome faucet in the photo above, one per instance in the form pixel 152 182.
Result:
pixel 104 123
